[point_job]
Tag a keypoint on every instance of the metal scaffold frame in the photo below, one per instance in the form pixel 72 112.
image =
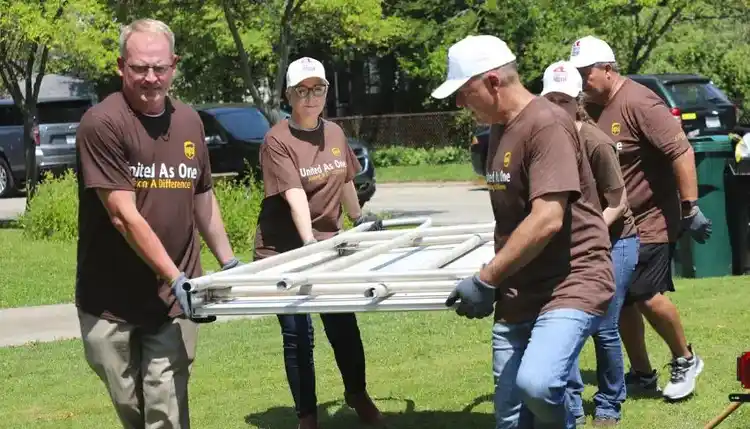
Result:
pixel 411 268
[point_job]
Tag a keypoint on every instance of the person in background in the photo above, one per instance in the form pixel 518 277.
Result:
pixel 308 170
pixel 551 275
pixel 658 166
pixel 563 86
pixel 144 189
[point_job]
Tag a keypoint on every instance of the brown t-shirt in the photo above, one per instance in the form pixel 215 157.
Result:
pixel 539 153
pixel 648 139
pixel 602 155
pixel 164 160
pixel 320 162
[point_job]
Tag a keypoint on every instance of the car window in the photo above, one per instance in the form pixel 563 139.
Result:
pixel 61 112
pixel 696 93
pixel 653 86
pixel 245 124
pixel 10 115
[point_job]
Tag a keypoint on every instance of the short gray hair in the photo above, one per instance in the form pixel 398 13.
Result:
pixel 145 25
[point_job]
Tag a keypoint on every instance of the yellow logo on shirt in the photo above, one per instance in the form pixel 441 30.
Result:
pixel 506 159
pixel 615 128
pixel 336 151
pixel 189 149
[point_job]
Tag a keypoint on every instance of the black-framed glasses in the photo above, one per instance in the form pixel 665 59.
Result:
pixel 316 91
pixel 142 69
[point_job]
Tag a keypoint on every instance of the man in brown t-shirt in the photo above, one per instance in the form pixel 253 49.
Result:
pixel 552 273
pixel 308 170
pixel 658 166
pixel 144 188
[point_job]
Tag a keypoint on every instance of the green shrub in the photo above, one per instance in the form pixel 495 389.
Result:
pixel 240 202
pixel 53 212
pixel 390 156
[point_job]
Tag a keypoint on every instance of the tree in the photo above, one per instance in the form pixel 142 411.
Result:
pixel 36 36
pixel 270 31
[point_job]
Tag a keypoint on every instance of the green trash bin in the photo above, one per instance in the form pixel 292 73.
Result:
pixel 714 257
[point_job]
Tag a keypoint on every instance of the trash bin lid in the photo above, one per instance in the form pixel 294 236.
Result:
pixel 719 143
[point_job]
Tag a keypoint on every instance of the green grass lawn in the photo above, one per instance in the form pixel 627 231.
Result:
pixel 426 370
pixel 41 273
pixel 426 173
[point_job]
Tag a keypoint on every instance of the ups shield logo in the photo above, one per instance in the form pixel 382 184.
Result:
pixel 189 150
pixel 506 159
pixel 615 128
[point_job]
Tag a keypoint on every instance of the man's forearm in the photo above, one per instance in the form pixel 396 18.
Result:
pixel 147 245
pixel 212 229
pixel 350 201
pixel 525 243
pixel 686 176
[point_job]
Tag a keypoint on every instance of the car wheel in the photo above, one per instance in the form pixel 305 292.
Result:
pixel 6 179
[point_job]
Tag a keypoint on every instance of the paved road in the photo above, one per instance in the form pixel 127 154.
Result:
pixel 445 203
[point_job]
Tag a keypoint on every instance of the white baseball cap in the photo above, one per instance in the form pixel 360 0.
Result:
pixel 471 56
pixel 562 77
pixel 304 68
pixel 590 50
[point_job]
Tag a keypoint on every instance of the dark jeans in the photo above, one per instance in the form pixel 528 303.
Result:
pixel 343 334
pixel 610 366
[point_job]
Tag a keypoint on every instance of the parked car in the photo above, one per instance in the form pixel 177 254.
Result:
pixel 234 133
pixel 700 106
pixel 54 136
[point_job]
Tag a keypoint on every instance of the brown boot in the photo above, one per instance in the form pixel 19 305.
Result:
pixel 366 410
pixel 308 422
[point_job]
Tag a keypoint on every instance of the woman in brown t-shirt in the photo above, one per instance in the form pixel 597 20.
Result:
pixel 307 169
pixel 563 86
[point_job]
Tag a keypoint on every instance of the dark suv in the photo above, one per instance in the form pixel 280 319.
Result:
pixel 701 107
pixel 234 133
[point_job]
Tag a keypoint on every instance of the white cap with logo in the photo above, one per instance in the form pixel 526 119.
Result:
pixel 590 50
pixel 472 56
pixel 304 68
pixel 562 77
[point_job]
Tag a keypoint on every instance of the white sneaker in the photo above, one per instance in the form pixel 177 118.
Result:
pixel 682 376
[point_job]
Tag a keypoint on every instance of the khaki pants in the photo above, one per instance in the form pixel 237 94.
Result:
pixel 146 374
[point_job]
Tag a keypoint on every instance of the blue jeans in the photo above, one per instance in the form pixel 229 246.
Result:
pixel 531 363
pixel 610 366
pixel 342 331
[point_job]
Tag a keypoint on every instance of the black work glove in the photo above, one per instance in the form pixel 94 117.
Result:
pixel 697 225
pixel 377 224
pixel 183 298
pixel 477 298
pixel 234 262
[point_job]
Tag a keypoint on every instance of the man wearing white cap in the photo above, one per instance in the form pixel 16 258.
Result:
pixel 552 273
pixel 658 166
pixel 307 169
pixel 563 86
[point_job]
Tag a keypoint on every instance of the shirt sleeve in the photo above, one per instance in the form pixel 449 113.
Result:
pixel 278 169
pixel 205 182
pixel 660 127
pixel 102 155
pixel 606 168
pixel 552 163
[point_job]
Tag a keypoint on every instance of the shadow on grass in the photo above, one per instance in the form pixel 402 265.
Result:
pixel 589 378
pixel 335 415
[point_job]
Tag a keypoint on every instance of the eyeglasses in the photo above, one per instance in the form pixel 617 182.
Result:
pixel 142 69
pixel 317 90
